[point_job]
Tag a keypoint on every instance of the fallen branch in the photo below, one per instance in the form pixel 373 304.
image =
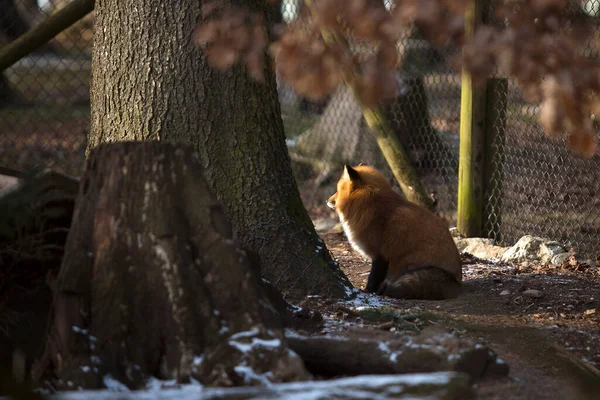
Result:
pixel 44 32
pixel 332 356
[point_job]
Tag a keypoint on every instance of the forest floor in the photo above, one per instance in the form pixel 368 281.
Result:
pixel 494 310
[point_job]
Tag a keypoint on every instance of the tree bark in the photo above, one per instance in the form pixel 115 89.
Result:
pixel 153 282
pixel 165 90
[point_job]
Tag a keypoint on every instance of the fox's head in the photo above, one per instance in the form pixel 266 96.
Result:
pixel 355 182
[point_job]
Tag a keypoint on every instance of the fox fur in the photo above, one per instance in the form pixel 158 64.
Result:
pixel 411 250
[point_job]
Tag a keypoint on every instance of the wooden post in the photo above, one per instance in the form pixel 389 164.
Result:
pixel 472 141
pixel 495 127
pixel 44 32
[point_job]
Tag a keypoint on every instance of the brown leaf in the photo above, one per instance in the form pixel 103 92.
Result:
pixel 221 58
pixel 206 33
pixel 583 143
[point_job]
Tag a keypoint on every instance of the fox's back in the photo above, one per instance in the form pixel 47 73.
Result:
pixel 416 237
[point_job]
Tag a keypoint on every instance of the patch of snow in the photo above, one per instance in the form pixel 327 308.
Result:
pixel 249 333
pixel 255 342
pixel 85 368
pixel 157 384
pixel 194 382
pixel 384 348
pixel 79 330
pixel 364 301
pixel 224 329
pixel 113 385
pixel 332 324
pixel 198 360
pixel 310 390
pixel 250 376
pixel 471 271
pixel 550 327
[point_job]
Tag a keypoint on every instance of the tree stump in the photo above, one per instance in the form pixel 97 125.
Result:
pixel 153 282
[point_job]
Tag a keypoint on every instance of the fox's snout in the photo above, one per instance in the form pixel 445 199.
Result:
pixel 331 202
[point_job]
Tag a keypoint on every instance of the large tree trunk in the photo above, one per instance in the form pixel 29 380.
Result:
pixel 151 82
pixel 153 283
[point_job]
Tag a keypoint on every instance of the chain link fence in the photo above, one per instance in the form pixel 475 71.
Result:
pixel 537 186
pixel 324 136
pixel 44 98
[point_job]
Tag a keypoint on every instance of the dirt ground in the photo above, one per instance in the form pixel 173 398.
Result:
pixel 495 310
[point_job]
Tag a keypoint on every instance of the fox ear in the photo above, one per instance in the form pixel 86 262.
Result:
pixel 351 173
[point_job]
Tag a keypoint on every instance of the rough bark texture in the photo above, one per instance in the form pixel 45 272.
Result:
pixel 153 282
pixel 163 89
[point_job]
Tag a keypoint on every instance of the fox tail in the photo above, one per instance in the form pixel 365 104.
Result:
pixel 427 283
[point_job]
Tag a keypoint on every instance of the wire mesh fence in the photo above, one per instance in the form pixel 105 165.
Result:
pixel 323 137
pixel 44 98
pixel 537 186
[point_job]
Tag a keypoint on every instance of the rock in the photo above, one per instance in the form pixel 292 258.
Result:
pixel 531 248
pixel 589 264
pixel 480 247
pixel 504 293
pixel 8 182
pixel 560 258
pixel 548 250
pixel 533 293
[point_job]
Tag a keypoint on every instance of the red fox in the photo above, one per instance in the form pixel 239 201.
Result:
pixel 412 252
